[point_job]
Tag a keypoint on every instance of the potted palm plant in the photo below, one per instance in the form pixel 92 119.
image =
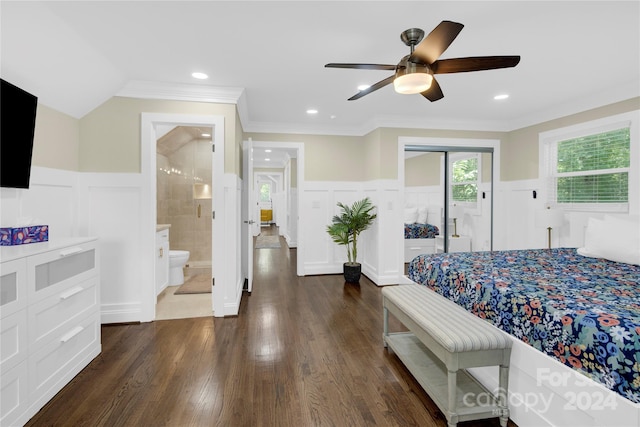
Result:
pixel 345 229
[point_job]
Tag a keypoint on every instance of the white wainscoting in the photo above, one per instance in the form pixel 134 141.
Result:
pixel 232 287
pixel 291 231
pixel 108 206
pixel 50 200
pixel 378 249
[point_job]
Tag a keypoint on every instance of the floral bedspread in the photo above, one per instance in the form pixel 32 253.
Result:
pixel 420 231
pixel 584 312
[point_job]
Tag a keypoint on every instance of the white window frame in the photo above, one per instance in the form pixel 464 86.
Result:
pixel 454 157
pixel 548 152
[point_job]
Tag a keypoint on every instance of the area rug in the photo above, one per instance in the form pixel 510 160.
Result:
pixel 199 284
pixel 267 242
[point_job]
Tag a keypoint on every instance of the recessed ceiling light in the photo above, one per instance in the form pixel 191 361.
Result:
pixel 501 96
pixel 200 76
pixel 267 151
pixel 267 160
pixel 363 87
pixel 312 111
pixel 333 116
pixel 206 135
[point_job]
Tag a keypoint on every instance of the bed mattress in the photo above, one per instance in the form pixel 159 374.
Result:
pixel 581 311
pixel 420 231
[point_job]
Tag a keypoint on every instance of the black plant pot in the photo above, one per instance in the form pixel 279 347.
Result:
pixel 352 272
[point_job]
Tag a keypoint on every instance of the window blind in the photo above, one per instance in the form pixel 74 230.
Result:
pixel 591 171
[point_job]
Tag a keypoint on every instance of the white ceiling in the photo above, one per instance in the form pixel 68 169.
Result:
pixel 576 55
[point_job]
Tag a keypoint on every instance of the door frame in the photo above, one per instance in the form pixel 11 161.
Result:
pixel 299 147
pixel 148 167
pixel 449 145
pixel 278 181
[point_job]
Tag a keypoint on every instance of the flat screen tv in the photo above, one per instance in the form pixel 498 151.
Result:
pixel 17 126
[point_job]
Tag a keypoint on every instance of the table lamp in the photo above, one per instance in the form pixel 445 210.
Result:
pixel 455 212
pixel 549 218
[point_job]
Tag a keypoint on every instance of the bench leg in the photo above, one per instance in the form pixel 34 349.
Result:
pixel 452 418
pixel 503 395
pixel 385 327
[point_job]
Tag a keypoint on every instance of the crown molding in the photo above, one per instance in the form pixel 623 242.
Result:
pixel 238 96
pixel 617 93
pixel 181 92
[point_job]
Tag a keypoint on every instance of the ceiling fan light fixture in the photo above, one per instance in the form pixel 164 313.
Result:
pixel 413 83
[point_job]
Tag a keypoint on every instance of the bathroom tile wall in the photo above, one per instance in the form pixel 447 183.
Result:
pixel 189 165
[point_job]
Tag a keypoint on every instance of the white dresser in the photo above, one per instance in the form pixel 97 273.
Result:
pixel 49 321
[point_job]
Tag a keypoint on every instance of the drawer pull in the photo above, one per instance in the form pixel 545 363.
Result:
pixel 71 292
pixel 72 333
pixel 70 251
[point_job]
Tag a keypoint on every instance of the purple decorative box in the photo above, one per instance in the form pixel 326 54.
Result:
pixel 10 236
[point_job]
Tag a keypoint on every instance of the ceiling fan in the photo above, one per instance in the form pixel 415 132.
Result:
pixel 415 72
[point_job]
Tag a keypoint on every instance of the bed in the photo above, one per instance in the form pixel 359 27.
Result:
pixel 581 311
pixel 420 230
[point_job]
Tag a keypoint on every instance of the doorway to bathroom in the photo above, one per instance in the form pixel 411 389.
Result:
pixel 184 180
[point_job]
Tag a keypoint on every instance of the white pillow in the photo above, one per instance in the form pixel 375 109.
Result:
pixel 422 216
pixel 613 238
pixel 410 215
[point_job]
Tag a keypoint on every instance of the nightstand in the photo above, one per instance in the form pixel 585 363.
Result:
pixel 456 244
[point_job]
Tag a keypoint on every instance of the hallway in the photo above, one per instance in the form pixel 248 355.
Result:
pixel 304 351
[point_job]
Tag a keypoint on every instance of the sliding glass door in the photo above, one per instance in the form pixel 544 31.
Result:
pixel 458 183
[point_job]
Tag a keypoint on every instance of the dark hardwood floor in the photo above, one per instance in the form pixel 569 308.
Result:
pixel 304 351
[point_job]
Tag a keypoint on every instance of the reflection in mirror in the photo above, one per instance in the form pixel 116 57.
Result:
pixel 468 195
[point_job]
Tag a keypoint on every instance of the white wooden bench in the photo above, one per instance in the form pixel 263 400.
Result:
pixel 443 341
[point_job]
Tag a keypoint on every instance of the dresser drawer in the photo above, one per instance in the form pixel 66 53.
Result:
pixel 14 394
pixel 13 286
pixel 51 315
pixel 54 271
pixel 13 339
pixel 58 361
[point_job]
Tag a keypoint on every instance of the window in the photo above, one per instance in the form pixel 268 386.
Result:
pixel 265 192
pixel 464 177
pixel 590 171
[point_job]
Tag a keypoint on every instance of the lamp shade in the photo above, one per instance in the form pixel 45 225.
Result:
pixel 412 77
pixel 456 211
pixel 412 83
pixel 549 218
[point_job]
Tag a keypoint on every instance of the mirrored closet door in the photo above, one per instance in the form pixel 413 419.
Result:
pixel 450 188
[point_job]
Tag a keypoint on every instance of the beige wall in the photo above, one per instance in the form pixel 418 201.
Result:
pixel 110 134
pixel 422 170
pixel 520 149
pixel 239 135
pixel 371 158
pixel 108 140
pixel 56 141
pixel 327 158
pixel 294 172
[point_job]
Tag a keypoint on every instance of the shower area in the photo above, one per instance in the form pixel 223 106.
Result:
pixel 184 181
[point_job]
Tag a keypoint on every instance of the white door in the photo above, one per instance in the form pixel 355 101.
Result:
pixel 248 213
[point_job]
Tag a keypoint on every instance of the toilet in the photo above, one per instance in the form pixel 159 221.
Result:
pixel 177 261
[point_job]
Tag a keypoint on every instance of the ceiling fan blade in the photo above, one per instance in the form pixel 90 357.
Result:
pixel 362 66
pixel 476 63
pixel 437 41
pixel 434 92
pixel 373 87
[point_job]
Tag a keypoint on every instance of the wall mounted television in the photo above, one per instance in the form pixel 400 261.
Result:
pixel 17 127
